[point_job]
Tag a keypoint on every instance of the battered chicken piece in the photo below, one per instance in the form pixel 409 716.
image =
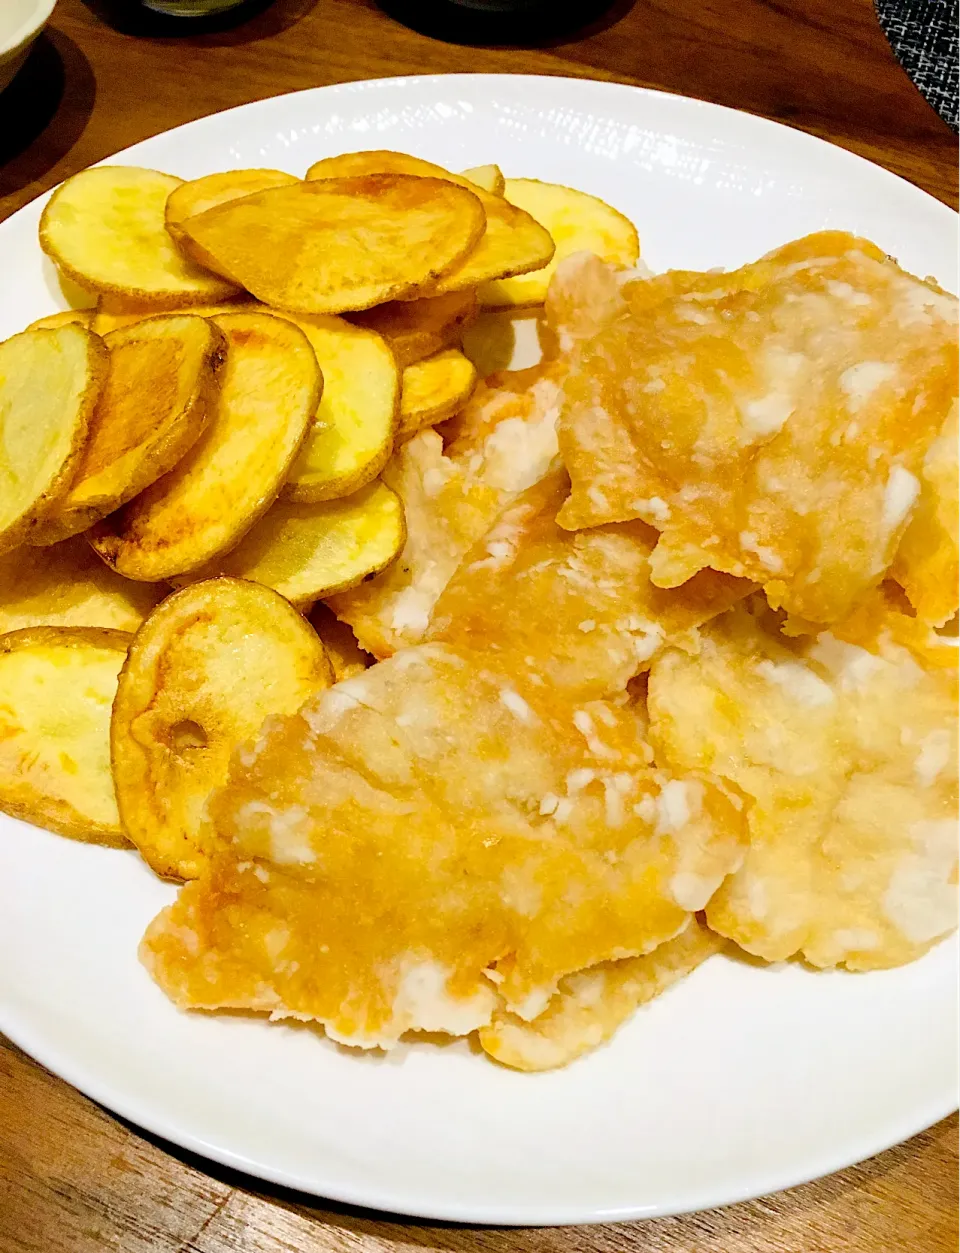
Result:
pixel 576 610
pixel 503 441
pixel 435 838
pixel 846 745
pixel 592 1004
pixel 771 422
pixel 927 564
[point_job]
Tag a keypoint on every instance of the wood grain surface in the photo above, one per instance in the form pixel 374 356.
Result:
pixel 72 1177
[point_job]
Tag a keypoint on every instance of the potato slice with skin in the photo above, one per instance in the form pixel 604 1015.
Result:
pixel 203 672
pixel 113 315
pixel 577 222
pixel 352 435
pixel 415 329
pixel 58 685
pixel 228 480
pixel 434 390
pixel 343 647
pixel 489 177
pixel 65 317
pixel 67 584
pixel 337 244
pixel 104 228
pixel 512 242
pixel 309 551
pixel 155 405
pixel 49 384
pixel 200 194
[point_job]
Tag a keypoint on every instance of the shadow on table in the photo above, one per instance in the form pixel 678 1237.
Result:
pixel 545 24
pixel 249 22
pixel 44 110
pixel 721 1228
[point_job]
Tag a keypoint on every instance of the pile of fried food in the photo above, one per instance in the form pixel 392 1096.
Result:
pixel 479 707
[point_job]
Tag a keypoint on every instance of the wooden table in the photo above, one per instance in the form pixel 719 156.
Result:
pixel 75 1179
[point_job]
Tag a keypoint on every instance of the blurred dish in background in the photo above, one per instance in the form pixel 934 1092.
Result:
pixel 21 21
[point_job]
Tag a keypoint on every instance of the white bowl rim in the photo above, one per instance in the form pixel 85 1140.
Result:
pixel 30 28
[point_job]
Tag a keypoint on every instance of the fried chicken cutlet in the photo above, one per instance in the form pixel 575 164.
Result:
pixel 772 422
pixel 449 834
pixel 845 744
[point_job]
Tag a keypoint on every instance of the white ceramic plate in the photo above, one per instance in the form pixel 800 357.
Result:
pixel 740 1081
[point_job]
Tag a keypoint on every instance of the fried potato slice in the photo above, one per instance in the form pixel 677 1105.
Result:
pixel 58 685
pixel 415 329
pixel 68 585
pixel 49 384
pixel 346 656
pixel 500 443
pixel 337 244
pixel 200 194
pixel 513 242
pixel 434 390
pixel 927 564
pixel 308 551
pixel 228 480
pixel 203 672
pixel 104 228
pixel 383 161
pixel 113 315
pixel 65 317
pixel 578 605
pixel 351 437
pixel 160 391
pixel 592 1004
pixel 848 753
pixel 576 222
pixel 418 919
pixel 771 422
pixel 487 177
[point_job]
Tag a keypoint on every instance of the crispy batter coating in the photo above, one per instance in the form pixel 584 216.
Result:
pixel 503 441
pixel 846 744
pixel 577 609
pixel 771 422
pixel 591 1005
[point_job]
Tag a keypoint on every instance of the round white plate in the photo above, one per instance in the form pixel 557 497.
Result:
pixel 740 1081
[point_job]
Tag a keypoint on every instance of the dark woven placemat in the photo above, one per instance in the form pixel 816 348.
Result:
pixel 923 34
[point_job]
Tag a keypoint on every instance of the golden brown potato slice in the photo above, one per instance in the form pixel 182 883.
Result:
pixel 434 390
pixel 68 585
pixel 160 392
pixel 487 177
pixel 200 194
pixel 415 329
pixel 383 161
pixel 204 671
pixel 229 478
pixel 58 685
pixel 577 222
pixel 512 242
pixel 338 244
pixel 65 317
pixel 351 438
pixel 346 656
pixel 112 314
pixel 105 229
pixel 309 551
pixel 49 384
pixel 592 1004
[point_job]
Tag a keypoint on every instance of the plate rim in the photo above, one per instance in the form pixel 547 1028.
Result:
pixel 151 1120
